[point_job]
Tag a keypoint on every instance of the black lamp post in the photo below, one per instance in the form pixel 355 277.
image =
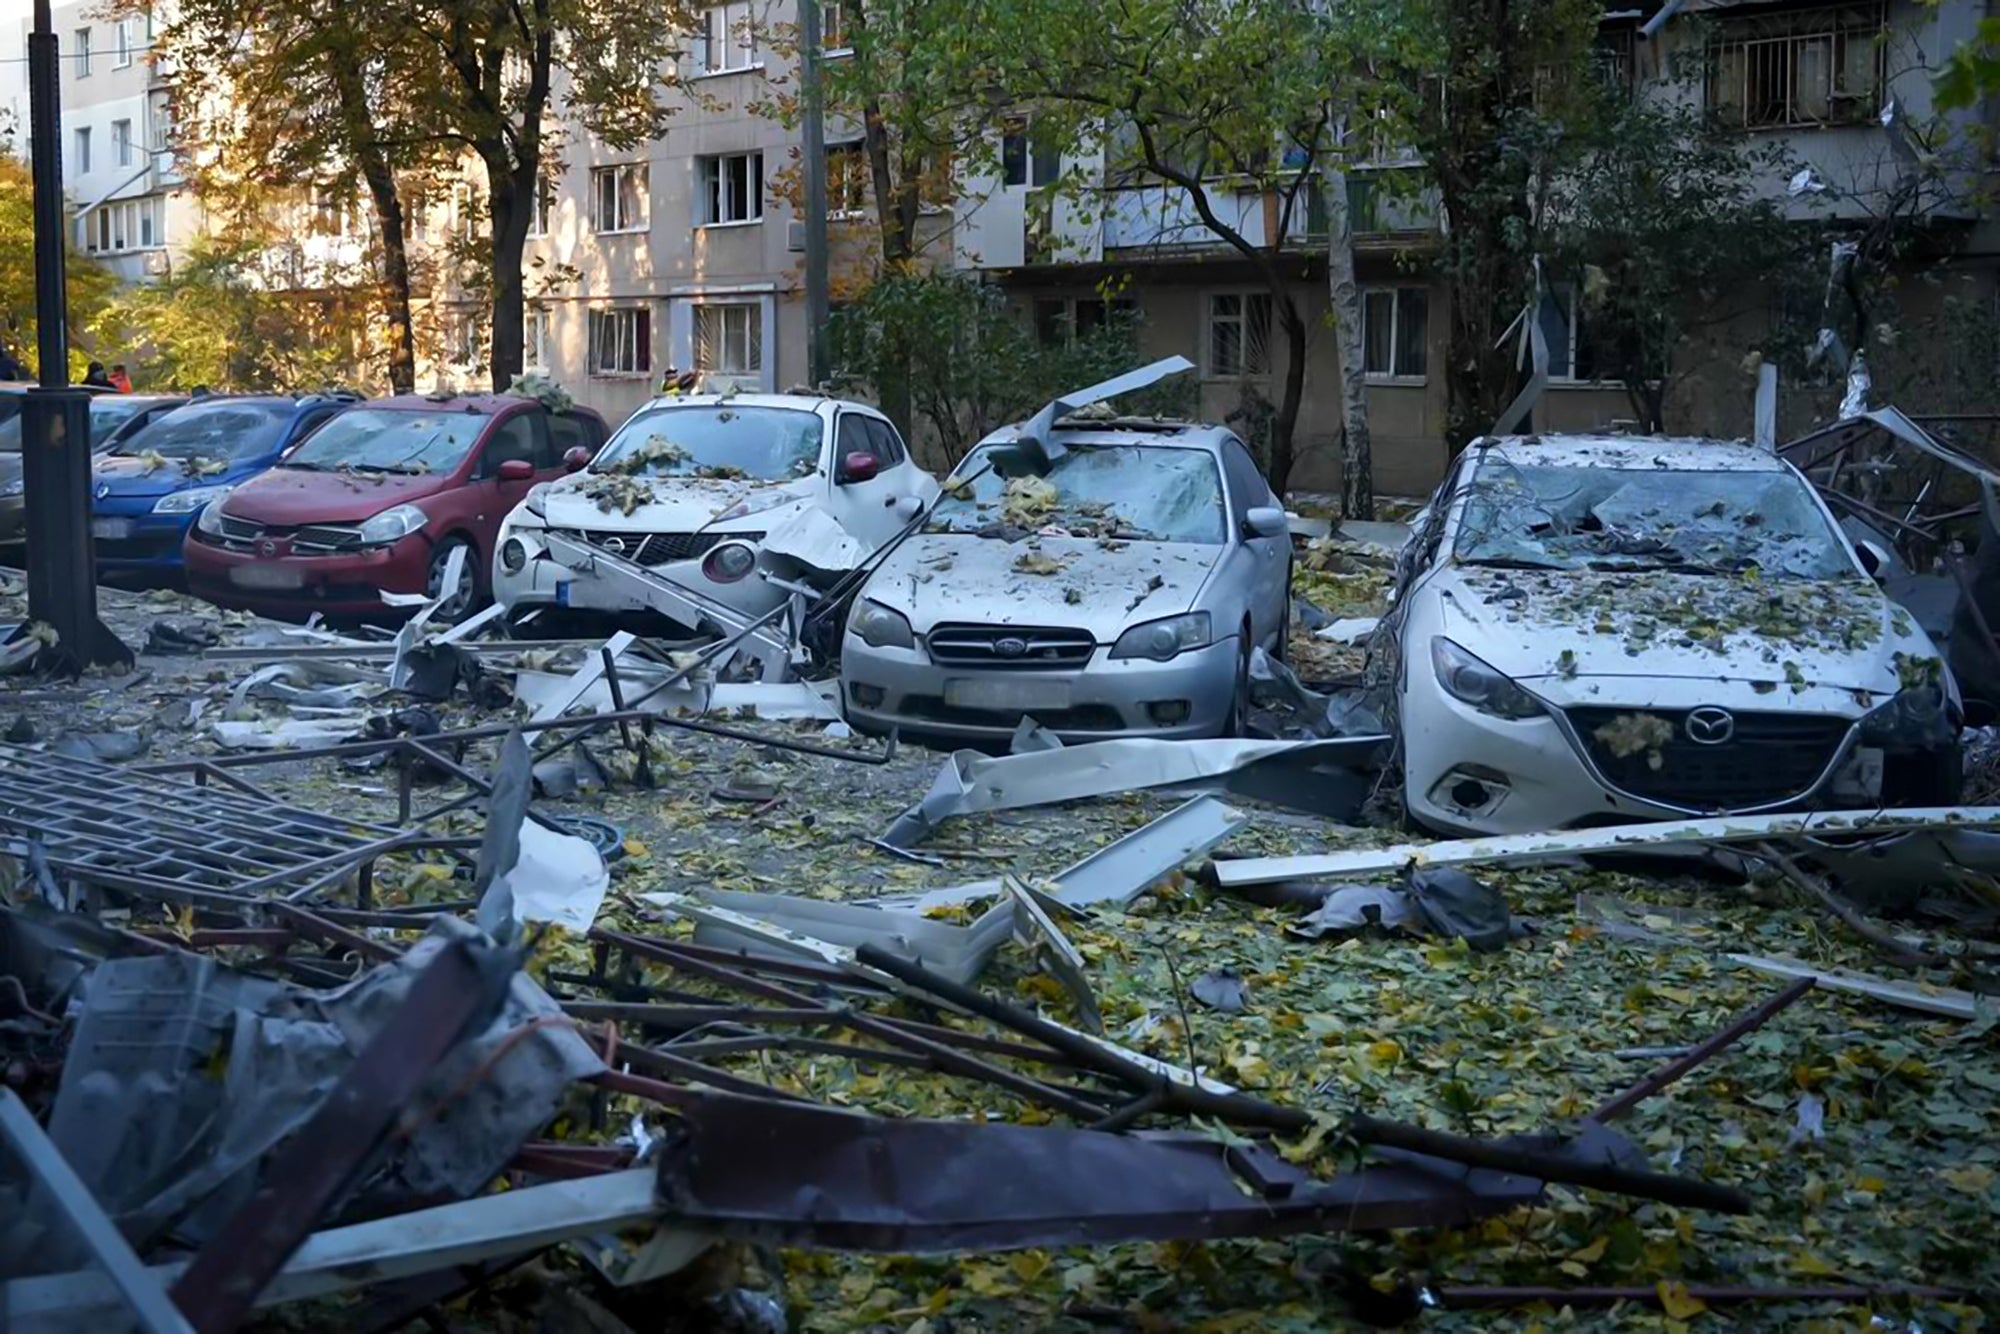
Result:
pixel 55 419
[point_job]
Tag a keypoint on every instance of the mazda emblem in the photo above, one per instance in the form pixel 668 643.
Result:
pixel 1010 647
pixel 267 548
pixel 1709 726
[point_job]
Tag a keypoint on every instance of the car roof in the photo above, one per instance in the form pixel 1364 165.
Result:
pixel 489 405
pixel 1688 453
pixel 796 402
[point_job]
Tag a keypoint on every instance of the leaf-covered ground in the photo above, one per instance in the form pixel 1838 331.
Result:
pixel 1903 1186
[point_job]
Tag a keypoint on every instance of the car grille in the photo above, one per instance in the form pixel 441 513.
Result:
pixel 1082 718
pixel 311 540
pixel 1024 646
pixel 317 538
pixel 664 548
pixel 1770 758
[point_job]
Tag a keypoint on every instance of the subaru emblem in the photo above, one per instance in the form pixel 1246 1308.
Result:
pixel 1709 726
pixel 1010 647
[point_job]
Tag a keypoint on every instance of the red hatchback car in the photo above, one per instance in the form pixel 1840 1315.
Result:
pixel 376 500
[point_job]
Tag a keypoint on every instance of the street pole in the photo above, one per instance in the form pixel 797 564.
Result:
pixel 812 96
pixel 55 419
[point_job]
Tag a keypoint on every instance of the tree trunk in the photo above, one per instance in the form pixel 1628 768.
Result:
pixel 507 216
pixel 1285 425
pixel 364 143
pixel 1357 455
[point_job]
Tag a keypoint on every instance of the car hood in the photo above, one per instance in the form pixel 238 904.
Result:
pixel 134 477
pixel 598 502
pixel 288 497
pixel 1556 628
pixel 957 577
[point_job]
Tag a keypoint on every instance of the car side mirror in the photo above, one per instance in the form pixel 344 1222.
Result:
pixel 1874 559
pixel 1265 521
pixel 516 470
pixel 858 467
pixel 576 459
pixel 907 507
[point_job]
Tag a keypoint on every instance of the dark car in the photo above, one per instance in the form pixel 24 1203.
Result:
pixel 146 492
pixel 378 500
pixel 109 415
pixel 116 418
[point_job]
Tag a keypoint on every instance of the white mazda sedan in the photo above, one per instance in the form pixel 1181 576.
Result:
pixel 1597 630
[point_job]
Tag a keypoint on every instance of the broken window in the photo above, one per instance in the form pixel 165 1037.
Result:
pixel 1701 521
pixel 762 444
pixel 1239 334
pixel 1137 492
pixel 618 198
pixel 1027 156
pixel 1803 67
pixel 732 188
pixel 728 40
pixel 847 180
pixel 213 431
pixel 387 440
pixel 729 338
pixel 621 342
pixel 1061 319
pixel 1395 325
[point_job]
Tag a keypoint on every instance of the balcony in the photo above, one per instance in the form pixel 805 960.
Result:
pixel 1387 208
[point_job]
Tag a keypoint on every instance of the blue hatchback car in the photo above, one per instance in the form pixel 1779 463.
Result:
pixel 146 493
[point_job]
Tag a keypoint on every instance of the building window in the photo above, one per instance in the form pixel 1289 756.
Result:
pixel 121 142
pixel 1801 68
pixel 461 338
pixel 732 188
pixel 124 225
pixel 1239 334
pixel 535 339
pixel 464 214
pixel 1060 319
pixel 729 339
pixel 81 46
pixel 1581 349
pixel 152 224
pixel 1026 156
pixel 541 204
pixel 728 39
pixel 621 342
pixel 833 35
pixel 847 179
pixel 618 198
pixel 81 138
pixel 1395 333
pixel 121 56
pixel 331 213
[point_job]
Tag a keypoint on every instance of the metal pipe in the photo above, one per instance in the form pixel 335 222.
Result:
pixel 1747 1022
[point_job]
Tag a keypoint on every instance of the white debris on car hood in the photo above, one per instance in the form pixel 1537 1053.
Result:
pixel 1784 636
pixel 1092 583
pixel 677 504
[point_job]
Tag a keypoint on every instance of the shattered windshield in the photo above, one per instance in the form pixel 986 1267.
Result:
pixel 108 412
pixel 761 444
pixel 212 431
pixel 1137 492
pixel 387 440
pixel 1700 521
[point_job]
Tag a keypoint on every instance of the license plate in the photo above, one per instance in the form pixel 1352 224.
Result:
pixel 991 693
pixel 111 530
pixel 266 576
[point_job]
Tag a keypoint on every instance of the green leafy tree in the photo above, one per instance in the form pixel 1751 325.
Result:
pixel 971 363
pixel 89 285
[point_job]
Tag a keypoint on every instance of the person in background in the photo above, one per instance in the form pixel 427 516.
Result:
pixel 94 375
pixel 119 379
pixel 10 369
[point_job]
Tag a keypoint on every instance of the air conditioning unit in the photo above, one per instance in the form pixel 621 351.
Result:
pixel 795 236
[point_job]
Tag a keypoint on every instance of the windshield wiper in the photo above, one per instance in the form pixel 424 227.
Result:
pixel 1512 563
pixel 302 466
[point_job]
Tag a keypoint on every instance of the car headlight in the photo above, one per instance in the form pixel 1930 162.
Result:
pixel 392 525
pixel 1165 639
pixel 190 500
pixel 879 627
pixel 209 521
pixel 755 504
pixel 729 562
pixel 536 502
pixel 513 555
pixel 1466 678
pixel 1917 717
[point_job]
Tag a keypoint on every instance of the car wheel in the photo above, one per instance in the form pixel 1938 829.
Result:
pixel 1239 704
pixel 468 597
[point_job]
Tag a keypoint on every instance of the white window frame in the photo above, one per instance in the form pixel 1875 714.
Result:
pixel 1024 127
pixel 1566 296
pixel 152 232
pixel 833 29
pixel 121 142
pixel 541 203
pixel 121 57
pixel 639 198
pixel 80 50
pixel 737 336
pixel 536 337
pixel 1209 319
pixel 1396 374
pixel 726 25
pixel 616 329
pixel 717 194
pixel 836 207
pixel 80 148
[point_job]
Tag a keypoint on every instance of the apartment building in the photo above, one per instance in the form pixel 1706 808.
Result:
pixel 128 204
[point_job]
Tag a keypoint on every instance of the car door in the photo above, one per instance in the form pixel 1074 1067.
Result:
pixel 1269 558
pixel 524 437
pixel 910 479
pixel 865 508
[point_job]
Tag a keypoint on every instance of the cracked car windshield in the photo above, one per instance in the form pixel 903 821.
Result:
pixel 1698 521
pixel 380 440
pixel 1136 492
pixel 217 431
pixel 761 444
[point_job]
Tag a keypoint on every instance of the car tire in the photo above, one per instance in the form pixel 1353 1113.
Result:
pixel 470 596
pixel 1239 704
pixel 1283 651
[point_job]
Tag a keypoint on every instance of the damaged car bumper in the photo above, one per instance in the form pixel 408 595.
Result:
pixel 528 575
pixel 1577 764
pixel 1190 695
pixel 283 583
